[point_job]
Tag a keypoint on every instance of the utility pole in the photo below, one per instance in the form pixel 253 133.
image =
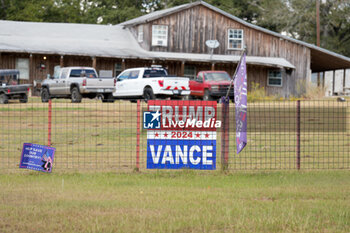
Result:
pixel 318 21
pixel 318 35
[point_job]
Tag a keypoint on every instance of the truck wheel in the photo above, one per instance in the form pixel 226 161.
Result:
pixel 207 95
pixel 75 95
pixel 108 98
pixel 3 99
pixel 23 99
pixel 45 95
pixel 148 94
pixel 100 97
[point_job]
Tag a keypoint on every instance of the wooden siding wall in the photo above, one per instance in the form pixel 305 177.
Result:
pixel 77 61
pixel 256 74
pixel 106 64
pixel 189 29
pixel 8 61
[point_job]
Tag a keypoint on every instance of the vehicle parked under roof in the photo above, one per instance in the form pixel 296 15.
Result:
pixel 10 87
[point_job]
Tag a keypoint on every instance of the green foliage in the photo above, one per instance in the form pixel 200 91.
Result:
pixel 246 10
pixel 117 11
pixel 71 11
pixel 117 16
pixel 24 10
pixel 297 18
pixel 335 26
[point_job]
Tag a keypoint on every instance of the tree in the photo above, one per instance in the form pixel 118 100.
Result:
pixel 299 21
pixel 117 11
pixel 335 26
pixel 24 10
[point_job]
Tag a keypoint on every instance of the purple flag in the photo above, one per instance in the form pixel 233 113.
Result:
pixel 240 86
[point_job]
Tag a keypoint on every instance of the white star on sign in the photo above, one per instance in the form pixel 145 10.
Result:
pixel 155 115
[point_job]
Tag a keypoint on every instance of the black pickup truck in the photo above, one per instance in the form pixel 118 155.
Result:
pixel 10 87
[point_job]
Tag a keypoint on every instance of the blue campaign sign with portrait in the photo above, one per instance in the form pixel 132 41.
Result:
pixel 37 157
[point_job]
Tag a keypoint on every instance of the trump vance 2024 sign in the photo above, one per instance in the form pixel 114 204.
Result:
pixel 181 134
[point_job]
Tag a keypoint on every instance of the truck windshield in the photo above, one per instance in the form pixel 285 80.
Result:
pixel 217 77
pixel 154 73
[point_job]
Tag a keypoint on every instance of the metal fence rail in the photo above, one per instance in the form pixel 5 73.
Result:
pixel 109 136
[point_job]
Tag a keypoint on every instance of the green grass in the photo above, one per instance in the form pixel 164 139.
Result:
pixel 183 201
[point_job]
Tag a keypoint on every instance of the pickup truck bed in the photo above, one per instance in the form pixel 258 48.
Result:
pixel 150 83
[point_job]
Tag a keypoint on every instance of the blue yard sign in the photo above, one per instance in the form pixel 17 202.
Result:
pixel 181 153
pixel 181 134
pixel 37 157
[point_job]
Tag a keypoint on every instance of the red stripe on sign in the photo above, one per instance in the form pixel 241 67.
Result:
pixel 168 87
pixel 181 134
pixel 175 88
pixel 183 88
pixel 189 115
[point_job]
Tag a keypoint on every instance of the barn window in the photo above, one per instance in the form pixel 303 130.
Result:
pixel 22 64
pixel 235 38
pixel 117 69
pixel 190 71
pixel 274 78
pixel 140 34
pixel 159 35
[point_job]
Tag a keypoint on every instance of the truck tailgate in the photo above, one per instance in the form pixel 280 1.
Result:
pixel 18 89
pixel 180 84
pixel 100 84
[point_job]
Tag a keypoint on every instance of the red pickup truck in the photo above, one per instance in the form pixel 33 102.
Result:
pixel 211 85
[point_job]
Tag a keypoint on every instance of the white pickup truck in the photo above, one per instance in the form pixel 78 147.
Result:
pixel 150 83
pixel 77 82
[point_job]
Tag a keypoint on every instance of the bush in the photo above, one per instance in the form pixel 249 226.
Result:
pixel 258 93
pixel 304 92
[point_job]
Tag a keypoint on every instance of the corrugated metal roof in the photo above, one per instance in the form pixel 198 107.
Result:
pixel 68 39
pixel 98 41
pixel 197 57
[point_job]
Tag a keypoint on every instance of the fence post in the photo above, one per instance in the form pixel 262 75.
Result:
pixel 138 136
pixel 225 134
pixel 298 134
pixel 49 124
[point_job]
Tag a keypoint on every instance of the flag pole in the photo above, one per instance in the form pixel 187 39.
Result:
pixel 234 76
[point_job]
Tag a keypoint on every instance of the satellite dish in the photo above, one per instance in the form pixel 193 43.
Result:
pixel 213 44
